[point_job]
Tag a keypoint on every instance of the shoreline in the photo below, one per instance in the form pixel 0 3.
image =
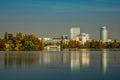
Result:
pixel 71 49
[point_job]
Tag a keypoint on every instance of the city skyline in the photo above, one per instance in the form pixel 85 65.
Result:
pixel 51 18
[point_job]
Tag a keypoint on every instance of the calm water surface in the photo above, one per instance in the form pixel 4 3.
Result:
pixel 60 65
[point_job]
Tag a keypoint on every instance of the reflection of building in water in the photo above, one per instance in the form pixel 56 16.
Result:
pixel 85 58
pixel 75 61
pixel 104 61
pixel 44 58
pixel 50 58
pixel 66 58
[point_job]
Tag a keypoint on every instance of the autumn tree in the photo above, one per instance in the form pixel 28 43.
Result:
pixel 2 44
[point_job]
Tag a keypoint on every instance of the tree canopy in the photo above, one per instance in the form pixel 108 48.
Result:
pixel 20 42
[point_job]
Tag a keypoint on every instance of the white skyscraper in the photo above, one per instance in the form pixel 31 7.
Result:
pixel 75 33
pixel 104 34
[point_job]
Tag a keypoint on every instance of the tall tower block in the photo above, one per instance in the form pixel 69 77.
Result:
pixel 103 34
pixel 74 33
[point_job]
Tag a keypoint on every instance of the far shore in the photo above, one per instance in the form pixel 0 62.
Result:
pixel 77 49
pixel 71 49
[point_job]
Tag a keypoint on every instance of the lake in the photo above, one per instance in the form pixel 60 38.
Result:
pixel 60 65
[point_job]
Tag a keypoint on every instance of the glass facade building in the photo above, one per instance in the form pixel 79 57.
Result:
pixel 103 34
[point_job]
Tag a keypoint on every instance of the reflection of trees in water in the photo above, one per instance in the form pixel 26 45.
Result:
pixel 19 59
pixel 75 60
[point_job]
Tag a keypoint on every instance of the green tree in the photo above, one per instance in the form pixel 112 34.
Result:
pixel 18 45
pixel 41 45
pixel 2 44
pixel 10 36
pixel 19 36
pixel 6 36
pixel 72 44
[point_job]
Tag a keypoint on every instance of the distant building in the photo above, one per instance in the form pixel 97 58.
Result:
pixel 52 44
pixel 84 37
pixel 110 40
pixel 45 39
pixel 75 33
pixel 64 37
pixel 103 34
pixel 40 38
pixel 87 37
pixel 56 39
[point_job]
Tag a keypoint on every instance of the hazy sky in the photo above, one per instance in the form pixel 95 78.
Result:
pixel 51 18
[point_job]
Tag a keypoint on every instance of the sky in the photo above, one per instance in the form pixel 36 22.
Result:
pixel 52 18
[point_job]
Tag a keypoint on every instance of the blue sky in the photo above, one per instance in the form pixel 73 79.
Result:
pixel 51 18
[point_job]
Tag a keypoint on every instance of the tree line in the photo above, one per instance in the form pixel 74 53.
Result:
pixel 93 44
pixel 20 42
pixel 29 42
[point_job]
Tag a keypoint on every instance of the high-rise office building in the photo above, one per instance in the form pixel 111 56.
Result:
pixel 75 33
pixel 104 34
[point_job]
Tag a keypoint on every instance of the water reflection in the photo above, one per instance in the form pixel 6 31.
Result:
pixel 19 59
pixel 75 61
pixel 85 58
pixel 72 60
pixel 44 58
pixel 50 58
pixel 80 59
pixel 104 61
